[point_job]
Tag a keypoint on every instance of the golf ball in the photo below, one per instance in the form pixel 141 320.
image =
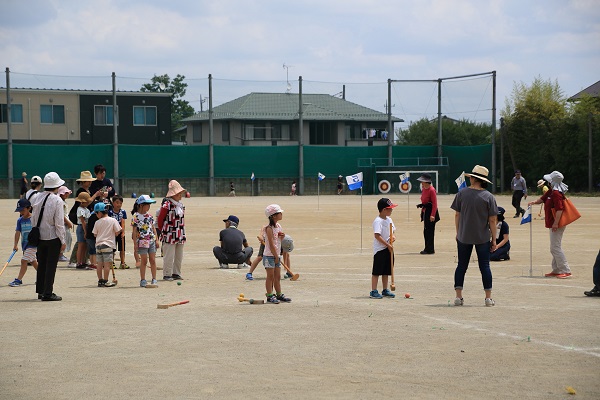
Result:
pixel 178 283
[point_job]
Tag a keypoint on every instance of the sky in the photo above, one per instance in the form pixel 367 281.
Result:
pixel 335 45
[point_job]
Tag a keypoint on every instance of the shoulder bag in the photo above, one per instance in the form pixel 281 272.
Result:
pixel 34 235
pixel 570 213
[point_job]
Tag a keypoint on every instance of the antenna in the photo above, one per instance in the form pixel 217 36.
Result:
pixel 287 75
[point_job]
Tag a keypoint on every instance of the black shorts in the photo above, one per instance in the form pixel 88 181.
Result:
pixel 120 243
pixel 381 263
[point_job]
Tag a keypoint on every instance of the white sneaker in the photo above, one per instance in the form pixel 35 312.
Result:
pixel 489 302
pixel 223 266
pixel 243 265
pixel 459 301
pixel 62 258
pixel 72 265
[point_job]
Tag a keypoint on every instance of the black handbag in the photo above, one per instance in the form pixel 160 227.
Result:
pixel 34 235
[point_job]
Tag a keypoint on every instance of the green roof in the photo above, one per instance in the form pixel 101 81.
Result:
pixel 284 107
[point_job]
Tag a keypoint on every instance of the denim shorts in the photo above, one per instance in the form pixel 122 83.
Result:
pixel 269 262
pixel 91 246
pixel 80 234
pixel 148 250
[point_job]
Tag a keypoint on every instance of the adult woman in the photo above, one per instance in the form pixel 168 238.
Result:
pixel 475 220
pixel 554 199
pixel 171 222
pixel 52 235
pixel 502 238
pixel 429 213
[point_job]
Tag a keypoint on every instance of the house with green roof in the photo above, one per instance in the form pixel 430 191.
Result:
pixel 272 119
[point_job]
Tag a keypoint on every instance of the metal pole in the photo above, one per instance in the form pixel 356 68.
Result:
pixel 590 171
pixel 115 135
pixel 494 132
pixel 439 121
pixel 390 126
pixel 300 139
pixel 211 150
pixel 9 148
pixel 501 155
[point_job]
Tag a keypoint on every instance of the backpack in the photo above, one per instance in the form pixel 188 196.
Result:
pixel 73 213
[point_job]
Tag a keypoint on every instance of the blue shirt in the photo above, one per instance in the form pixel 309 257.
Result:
pixel 120 215
pixel 24 226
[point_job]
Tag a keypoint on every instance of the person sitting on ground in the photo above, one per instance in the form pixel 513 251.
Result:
pixel 502 239
pixel 234 247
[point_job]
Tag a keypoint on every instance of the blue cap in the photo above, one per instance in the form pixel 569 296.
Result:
pixel 100 207
pixel 22 204
pixel 232 218
pixel 145 199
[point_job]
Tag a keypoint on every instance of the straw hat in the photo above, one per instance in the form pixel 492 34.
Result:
pixel 174 188
pixel 541 183
pixel 86 176
pixel 480 173
pixel 84 197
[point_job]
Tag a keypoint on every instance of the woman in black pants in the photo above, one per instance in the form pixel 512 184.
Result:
pixel 52 235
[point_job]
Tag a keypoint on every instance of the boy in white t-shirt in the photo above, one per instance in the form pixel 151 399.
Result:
pixel 382 248
pixel 105 231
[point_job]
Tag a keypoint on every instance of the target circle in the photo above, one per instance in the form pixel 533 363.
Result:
pixel 405 187
pixel 384 186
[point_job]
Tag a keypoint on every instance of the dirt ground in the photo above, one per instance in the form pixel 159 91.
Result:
pixel 332 341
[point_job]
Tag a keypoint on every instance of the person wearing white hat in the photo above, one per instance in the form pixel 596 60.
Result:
pixel 554 199
pixel 171 224
pixel 52 235
pixel 271 260
pixel 475 219
pixel 36 185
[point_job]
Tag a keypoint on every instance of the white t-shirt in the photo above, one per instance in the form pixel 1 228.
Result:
pixel 382 226
pixel 105 230
pixel 83 212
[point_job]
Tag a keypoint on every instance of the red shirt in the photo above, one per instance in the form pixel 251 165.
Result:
pixel 553 199
pixel 429 195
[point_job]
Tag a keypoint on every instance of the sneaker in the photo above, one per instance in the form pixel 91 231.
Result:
pixel 563 276
pixel 387 293
pixel 516 215
pixel 223 266
pixel 243 265
pixel 109 284
pixel 102 283
pixel 81 266
pixel 375 294
pixel 288 275
pixel 489 302
pixel 595 292
pixel 124 266
pixel 551 274
pixel 154 282
pixel 167 278
pixel 16 282
pixel 143 283
pixel 176 277
pixel 459 301
pixel 92 266
pixel 281 297
pixel 72 265
pixel 249 277
pixel 62 258
pixel 272 299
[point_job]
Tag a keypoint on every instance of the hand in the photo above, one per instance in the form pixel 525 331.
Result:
pixel 15 248
pixel 432 218
pixel 525 195
pixel 281 235
pixel 157 244
pixel 63 247
pixel 554 227
pixel 494 247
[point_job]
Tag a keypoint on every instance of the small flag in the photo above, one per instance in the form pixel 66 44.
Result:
pixel 527 216
pixel 321 176
pixel 460 181
pixel 252 177
pixel 404 177
pixel 355 181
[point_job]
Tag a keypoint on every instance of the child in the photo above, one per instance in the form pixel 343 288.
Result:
pixel 259 257
pixel 502 239
pixel 271 260
pixel 144 235
pixel 90 239
pixel 136 256
pixel 171 222
pixel 64 193
pixel 83 214
pixel 231 189
pixel 120 216
pixel 23 229
pixel 382 248
pixel 105 230
pixel 293 192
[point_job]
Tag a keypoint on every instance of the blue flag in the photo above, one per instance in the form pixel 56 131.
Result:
pixel 355 181
pixel 252 177
pixel 460 181
pixel 527 216
pixel 321 176
pixel 405 177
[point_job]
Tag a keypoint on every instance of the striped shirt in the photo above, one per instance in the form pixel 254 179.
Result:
pixel 52 225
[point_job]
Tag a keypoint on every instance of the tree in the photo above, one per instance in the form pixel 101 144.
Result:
pixel 180 108
pixel 424 132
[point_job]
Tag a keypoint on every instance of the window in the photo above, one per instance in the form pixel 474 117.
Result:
pixel 144 116
pixel 16 113
pixel 353 132
pixel 323 133
pixel 197 133
pixel 103 115
pixel 225 131
pixel 281 132
pixel 51 114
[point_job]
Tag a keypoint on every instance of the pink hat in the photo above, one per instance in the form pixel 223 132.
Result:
pixel 174 188
pixel 64 190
